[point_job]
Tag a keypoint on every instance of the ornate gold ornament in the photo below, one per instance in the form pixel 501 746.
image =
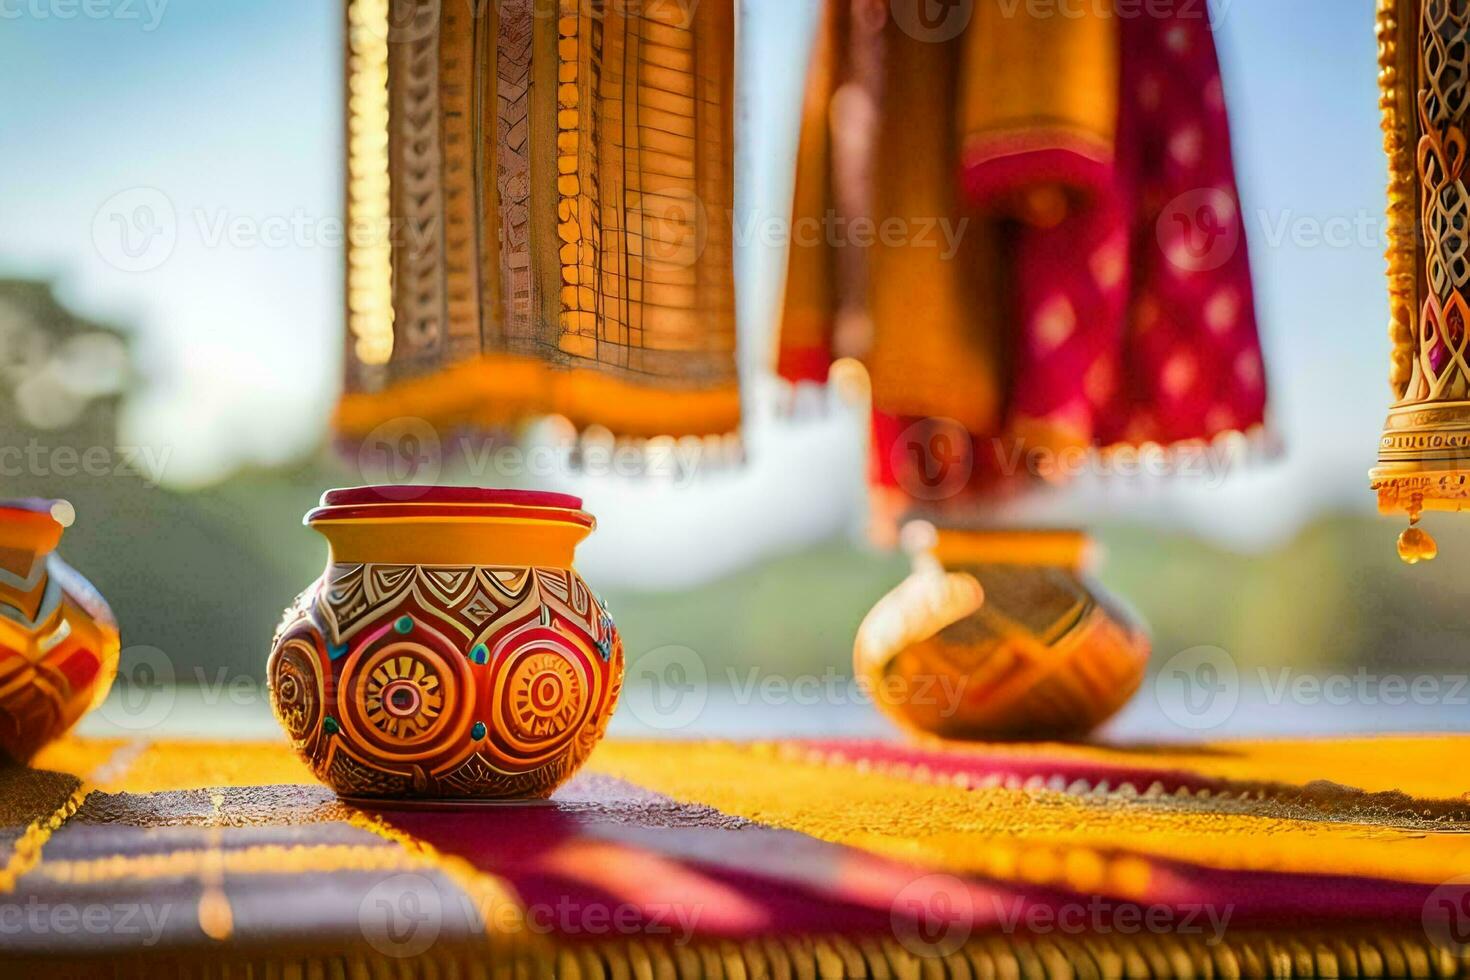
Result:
pixel 1424 454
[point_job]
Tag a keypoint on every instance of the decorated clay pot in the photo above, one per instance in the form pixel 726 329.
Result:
pixel 58 639
pixel 449 651
pixel 1001 635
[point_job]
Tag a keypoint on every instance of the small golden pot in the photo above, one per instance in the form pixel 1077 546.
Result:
pixel 450 651
pixel 1001 635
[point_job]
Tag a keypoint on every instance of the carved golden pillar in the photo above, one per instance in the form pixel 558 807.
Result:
pixel 1424 455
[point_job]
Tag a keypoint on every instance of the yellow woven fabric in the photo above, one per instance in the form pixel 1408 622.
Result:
pixel 1391 809
pixel 1048 837
pixel 1033 834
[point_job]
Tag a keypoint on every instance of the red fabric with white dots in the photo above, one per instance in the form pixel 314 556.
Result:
pixel 1132 318
pixel 1137 313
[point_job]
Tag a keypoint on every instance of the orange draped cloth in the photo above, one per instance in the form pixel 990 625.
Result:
pixel 540 208
pixel 1057 253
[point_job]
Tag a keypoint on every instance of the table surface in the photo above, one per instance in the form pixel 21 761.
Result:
pixel 843 857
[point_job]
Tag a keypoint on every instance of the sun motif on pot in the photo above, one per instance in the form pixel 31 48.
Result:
pixel 443 681
pixel 403 698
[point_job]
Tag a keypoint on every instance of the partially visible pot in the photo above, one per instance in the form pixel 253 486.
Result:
pixel 58 638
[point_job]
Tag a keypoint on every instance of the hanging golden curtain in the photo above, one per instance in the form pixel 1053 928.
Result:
pixel 540 198
pixel 1424 454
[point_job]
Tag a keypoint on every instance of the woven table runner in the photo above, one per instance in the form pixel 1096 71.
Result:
pixel 771 859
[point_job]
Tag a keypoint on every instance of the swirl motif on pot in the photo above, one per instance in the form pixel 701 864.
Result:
pixel 434 675
pixel 296 682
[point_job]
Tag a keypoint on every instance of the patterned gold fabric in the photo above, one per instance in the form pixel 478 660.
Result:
pixel 541 197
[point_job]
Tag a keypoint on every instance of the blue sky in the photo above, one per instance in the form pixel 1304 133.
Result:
pixel 230 110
